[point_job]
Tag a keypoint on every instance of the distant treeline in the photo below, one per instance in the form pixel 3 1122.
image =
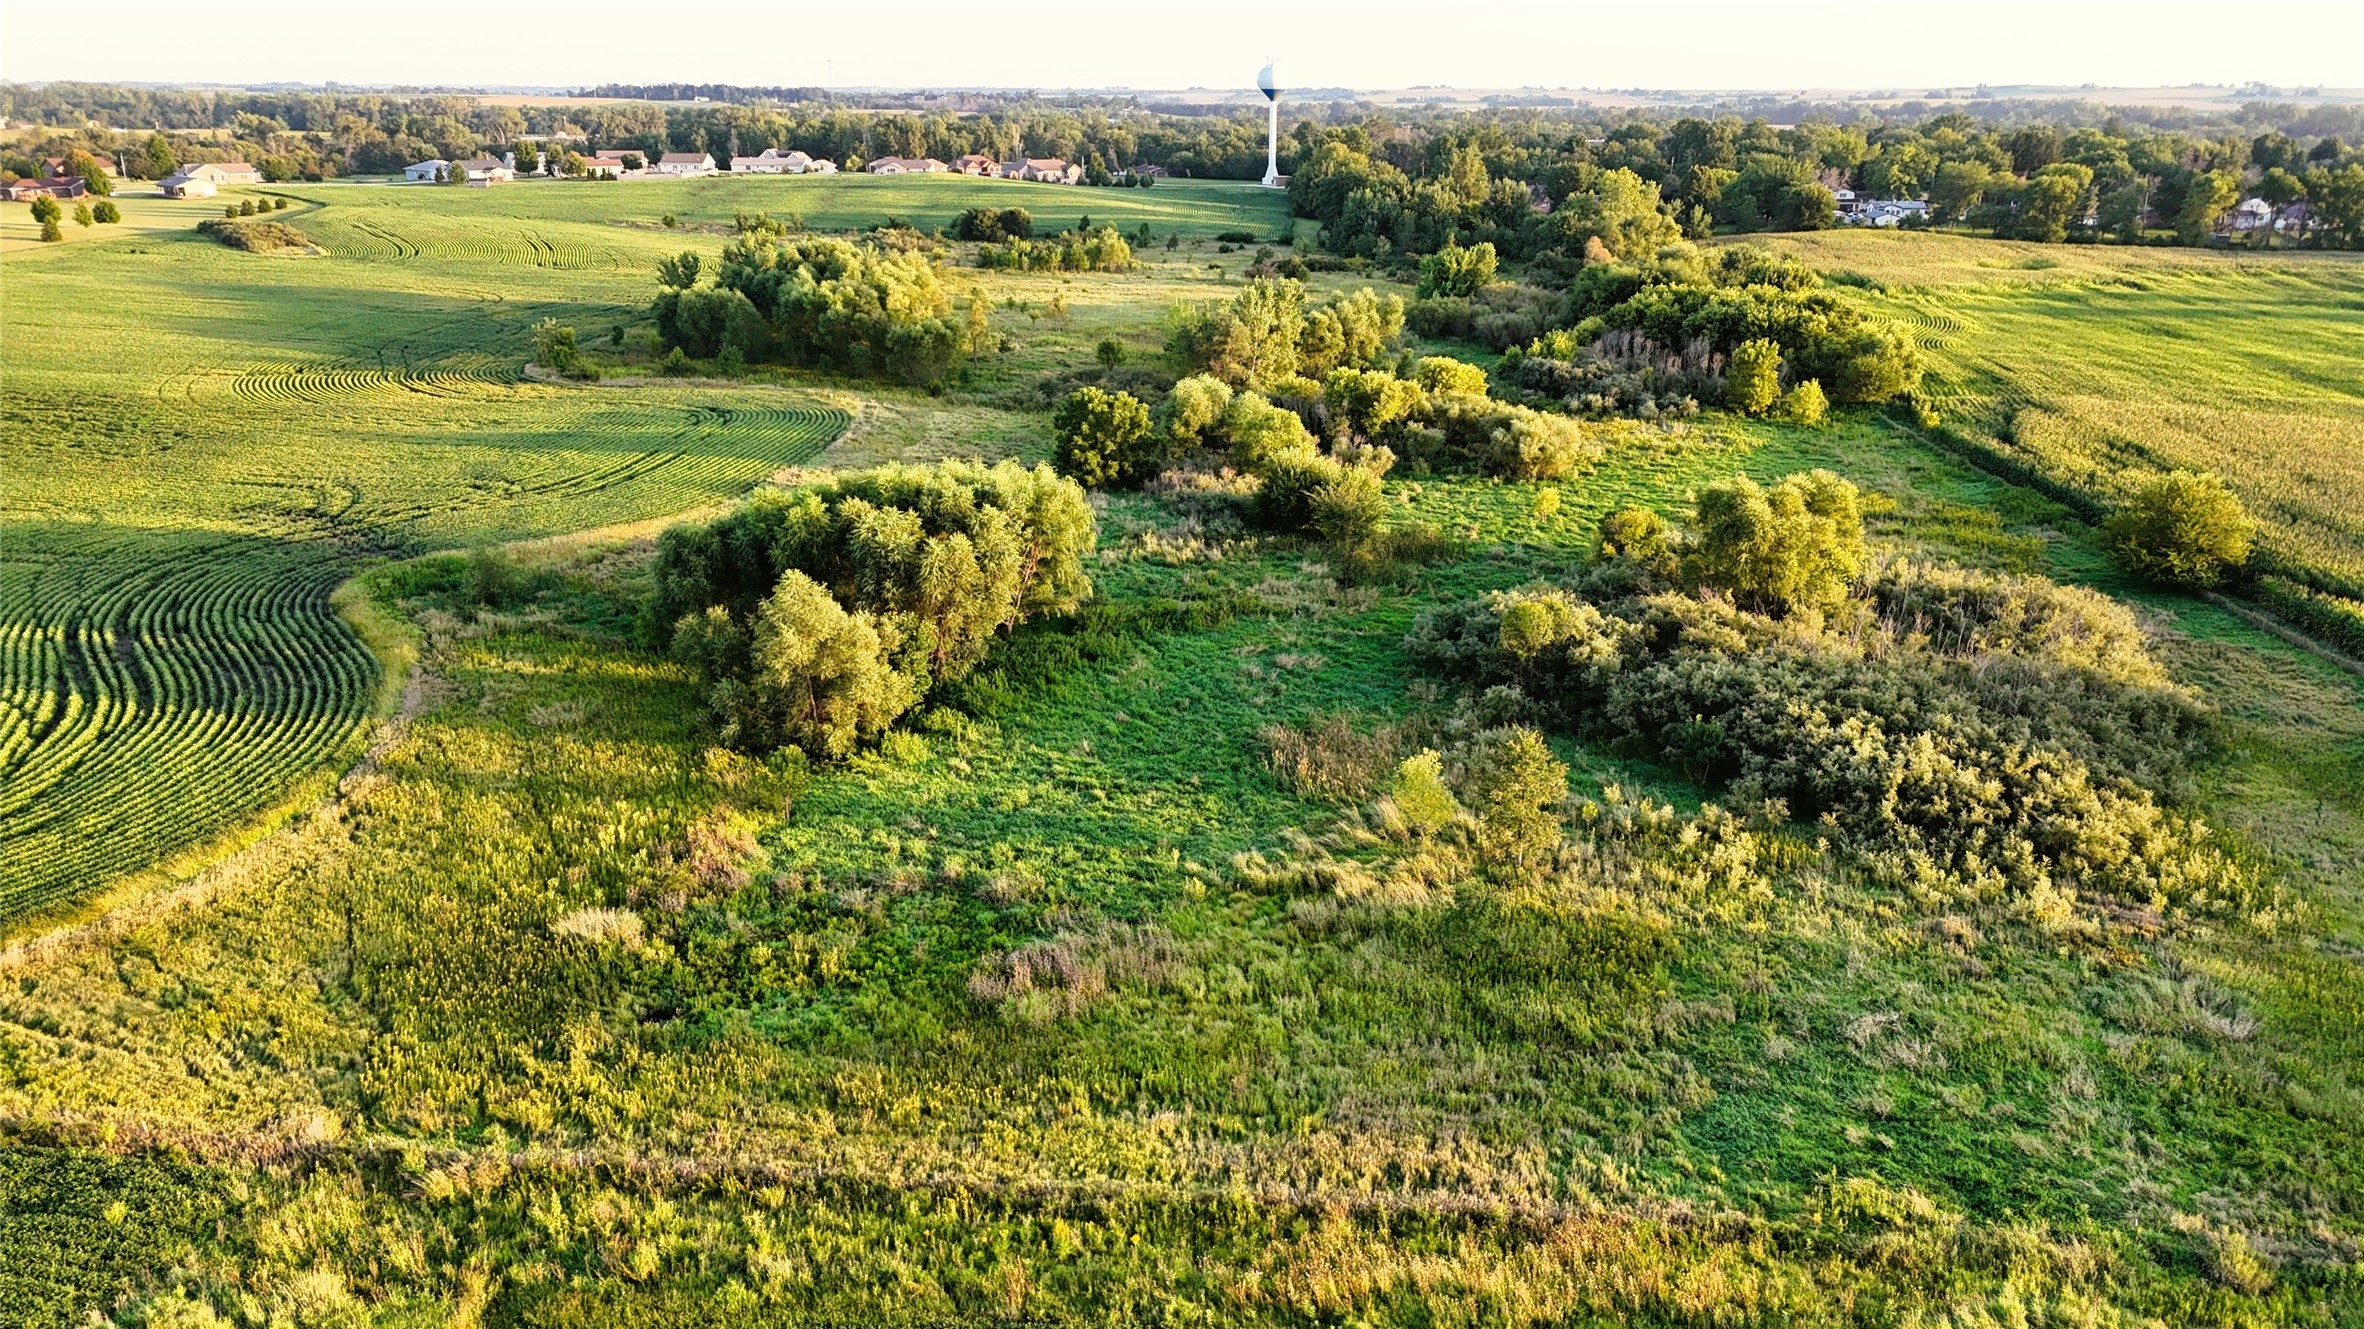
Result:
pixel 1382 180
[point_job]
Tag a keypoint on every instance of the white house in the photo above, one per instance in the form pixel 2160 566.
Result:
pixel 772 161
pixel 685 163
pixel 821 166
pixel 2253 214
pixel 425 172
pixel 181 184
pixel 1050 169
pixel 482 172
pixel 906 166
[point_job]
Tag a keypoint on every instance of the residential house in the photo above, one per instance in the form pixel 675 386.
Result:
pixel 772 161
pixel 906 166
pixel 685 163
pixel 225 173
pixel 1849 203
pixel 1148 170
pixel 484 172
pixel 612 161
pixel 426 172
pixel 181 184
pixel 821 166
pixel 56 186
pixel 976 163
pixel 1051 170
pixel 54 167
pixel 1886 212
pixel 2252 214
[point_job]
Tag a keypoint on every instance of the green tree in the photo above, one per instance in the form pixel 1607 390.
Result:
pixel 1195 407
pixel 161 159
pixel 1453 270
pixel 82 214
pixel 1105 438
pixel 1956 188
pixel 45 209
pixel 823 675
pixel 1516 787
pixel 107 213
pixel 2183 529
pixel 1797 545
pixel 1752 376
pixel 2209 196
pixel 1110 352
pixel 555 350
pixel 679 272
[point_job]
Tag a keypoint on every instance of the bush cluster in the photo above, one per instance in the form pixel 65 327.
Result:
pixel 992 225
pixel 1266 335
pixel 1996 726
pixel 816 616
pixel 1100 249
pixel 813 301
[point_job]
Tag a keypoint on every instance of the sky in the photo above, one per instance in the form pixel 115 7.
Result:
pixel 1772 45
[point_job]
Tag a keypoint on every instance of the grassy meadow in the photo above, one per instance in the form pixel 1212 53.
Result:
pixel 555 1014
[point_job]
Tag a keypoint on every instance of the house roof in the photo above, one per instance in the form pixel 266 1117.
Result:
pixel 431 161
pixel 685 158
pixel 484 163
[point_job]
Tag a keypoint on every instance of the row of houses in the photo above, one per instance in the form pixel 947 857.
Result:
pixel 1053 170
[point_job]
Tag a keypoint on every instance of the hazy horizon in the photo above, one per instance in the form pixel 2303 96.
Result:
pixel 1905 46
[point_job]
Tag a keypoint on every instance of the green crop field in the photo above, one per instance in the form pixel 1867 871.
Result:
pixel 557 1014
pixel 202 443
pixel 2090 360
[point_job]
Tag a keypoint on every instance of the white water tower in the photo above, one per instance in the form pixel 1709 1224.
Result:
pixel 1271 89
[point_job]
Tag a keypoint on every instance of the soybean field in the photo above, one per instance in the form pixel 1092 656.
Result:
pixel 201 444
pixel 2092 362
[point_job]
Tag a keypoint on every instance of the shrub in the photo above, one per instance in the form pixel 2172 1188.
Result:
pixel 1441 376
pixel 1105 438
pixel 1420 795
pixel 1803 404
pixel 2182 529
pixel 1641 537
pixel 1752 376
pixel 1285 499
pixel 1532 445
pixel 1349 511
pixel 1265 335
pixel 1110 352
pixel 106 212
